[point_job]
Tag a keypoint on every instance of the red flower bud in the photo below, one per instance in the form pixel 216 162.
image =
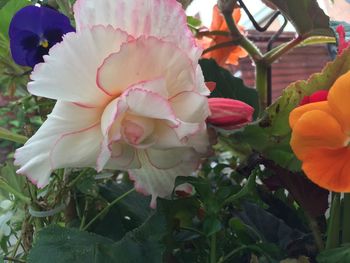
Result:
pixel 229 114
pixel 320 95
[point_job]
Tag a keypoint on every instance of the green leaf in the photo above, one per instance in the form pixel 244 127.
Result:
pixel 126 215
pixel 336 255
pixel 8 11
pixel 211 225
pixel 306 16
pixel 270 228
pixel 247 189
pixel 60 245
pixel 193 22
pixel 57 244
pixel 271 135
pixel 228 86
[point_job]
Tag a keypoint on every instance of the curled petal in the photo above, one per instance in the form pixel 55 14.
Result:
pixel 146 58
pixel 160 169
pixel 70 137
pixel 338 99
pixel 111 129
pixel 316 130
pixel 139 101
pixel 190 107
pixel 69 71
pixel 165 20
pixel 329 168
pixel 299 111
pixel 123 157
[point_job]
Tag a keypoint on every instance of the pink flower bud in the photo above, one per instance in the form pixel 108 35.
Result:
pixel 229 114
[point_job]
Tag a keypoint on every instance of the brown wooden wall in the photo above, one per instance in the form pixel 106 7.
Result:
pixel 299 64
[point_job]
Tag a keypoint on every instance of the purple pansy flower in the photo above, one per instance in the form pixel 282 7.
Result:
pixel 33 31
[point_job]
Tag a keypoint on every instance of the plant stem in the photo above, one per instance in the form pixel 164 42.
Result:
pixel 232 253
pixel 315 232
pixel 218 46
pixel 346 219
pixel 213 248
pixel 277 52
pixel 240 39
pixel 37 221
pixel 261 85
pixel 109 206
pixel 7 188
pixel 18 243
pixel 13 137
pixel 334 223
pixel 76 179
pixel 83 219
pixel 212 33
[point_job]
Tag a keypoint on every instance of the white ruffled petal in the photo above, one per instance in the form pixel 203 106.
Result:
pixel 123 157
pixel 70 137
pixel 164 19
pixel 160 169
pixel 190 107
pixel 69 71
pixel 147 59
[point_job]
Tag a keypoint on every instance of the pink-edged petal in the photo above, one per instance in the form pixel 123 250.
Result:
pixel 136 130
pixel 69 130
pixel 200 141
pixel 149 104
pixel 123 157
pixel 69 71
pixel 164 19
pixel 160 169
pixel 202 87
pixel 111 129
pixel 190 106
pixel 147 58
pixel 166 137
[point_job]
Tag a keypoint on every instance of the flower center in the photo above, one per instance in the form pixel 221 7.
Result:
pixel 44 43
pixel 136 129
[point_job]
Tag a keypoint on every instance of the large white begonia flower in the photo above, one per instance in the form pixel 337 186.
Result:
pixel 130 96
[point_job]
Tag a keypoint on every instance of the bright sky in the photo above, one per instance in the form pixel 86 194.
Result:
pixel 205 9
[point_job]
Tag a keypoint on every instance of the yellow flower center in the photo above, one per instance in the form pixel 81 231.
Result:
pixel 44 43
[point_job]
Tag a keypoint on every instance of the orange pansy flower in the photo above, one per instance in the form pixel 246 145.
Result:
pixel 226 55
pixel 321 136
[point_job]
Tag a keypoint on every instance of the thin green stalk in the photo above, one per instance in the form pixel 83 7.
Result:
pixel 76 179
pixel 218 46
pixel 212 33
pixel 13 137
pixel 277 52
pixel 213 249
pixel 223 259
pixel 315 232
pixel 37 221
pixel 18 243
pixel 108 207
pixel 334 223
pixel 261 85
pixel 7 188
pixel 83 219
pixel 346 219
pixel 240 39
